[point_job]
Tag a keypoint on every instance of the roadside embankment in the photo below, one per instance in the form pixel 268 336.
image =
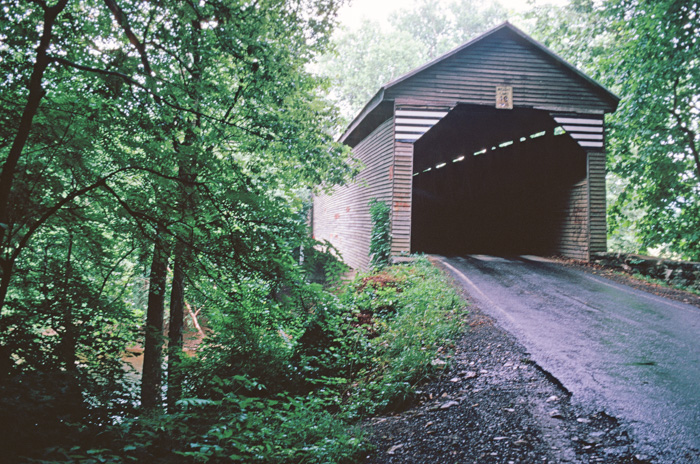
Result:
pixel 683 274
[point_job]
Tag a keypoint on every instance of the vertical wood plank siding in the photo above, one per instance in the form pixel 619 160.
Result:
pixel 573 237
pixel 343 218
pixel 596 205
pixel 471 76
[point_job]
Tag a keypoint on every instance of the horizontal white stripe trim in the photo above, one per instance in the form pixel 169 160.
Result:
pixel 425 122
pixel 598 122
pixel 413 129
pixel 587 136
pixel 583 128
pixel 426 114
pixel 591 144
pixel 408 136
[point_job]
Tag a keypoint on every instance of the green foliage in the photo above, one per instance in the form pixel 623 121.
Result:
pixel 194 124
pixel 647 52
pixel 323 263
pixel 371 56
pixel 380 238
pixel 417 317
pixel 341 358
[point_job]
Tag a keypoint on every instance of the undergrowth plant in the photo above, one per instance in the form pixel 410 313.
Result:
pixel 416 315
pixel 286 379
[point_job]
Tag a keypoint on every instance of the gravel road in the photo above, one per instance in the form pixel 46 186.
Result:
pixel 559 365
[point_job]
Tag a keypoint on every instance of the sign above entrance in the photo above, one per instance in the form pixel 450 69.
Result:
pixel 504 97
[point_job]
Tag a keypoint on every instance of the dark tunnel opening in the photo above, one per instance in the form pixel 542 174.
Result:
pixel 493 182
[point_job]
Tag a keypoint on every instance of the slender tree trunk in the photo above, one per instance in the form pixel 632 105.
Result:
pixel 9 168
pixel 6 266
pixel 177 311
pixel 5 350
pixel 187 160
pixel 152 380
pixel 195 321
pixel 68 339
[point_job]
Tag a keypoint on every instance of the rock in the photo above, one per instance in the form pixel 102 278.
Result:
pixel 510 409
pixel 556 414
pixel 520 442
pixel 438 363
pixel 470 375
pixel 455 379
pixel 393 449
pixel 449 404
pixel 583 420
pixel 499 438
pixel 552 399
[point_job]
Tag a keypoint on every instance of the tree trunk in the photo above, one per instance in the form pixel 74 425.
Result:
pixel 69 340
pixel 152 380
pixel 177 311
pixel 5 350
pixel 9 168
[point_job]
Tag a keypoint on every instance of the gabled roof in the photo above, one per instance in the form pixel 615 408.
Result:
pixel 381 106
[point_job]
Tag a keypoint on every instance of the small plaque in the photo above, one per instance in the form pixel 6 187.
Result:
pixel 504 97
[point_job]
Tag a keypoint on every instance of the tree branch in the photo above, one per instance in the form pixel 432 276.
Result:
pixel 102 182
pixel 104 72
pixel 123 22
pixel 157 97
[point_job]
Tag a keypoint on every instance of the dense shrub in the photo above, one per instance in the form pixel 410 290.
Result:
pixel 288 371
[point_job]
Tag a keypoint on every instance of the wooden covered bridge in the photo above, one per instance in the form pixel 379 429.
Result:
pixel 496 147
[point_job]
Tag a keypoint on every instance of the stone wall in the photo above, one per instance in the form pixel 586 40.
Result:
pixel 676 273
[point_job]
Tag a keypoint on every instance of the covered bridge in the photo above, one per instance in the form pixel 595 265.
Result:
pixel 496 147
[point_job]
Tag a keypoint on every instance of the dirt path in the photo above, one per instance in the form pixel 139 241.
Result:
pixel 494 405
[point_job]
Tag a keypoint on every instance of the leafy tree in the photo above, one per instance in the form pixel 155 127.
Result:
pixel 369 57
pixel 364 60
pixel 655 134
pixel 647 52
pixel 136 135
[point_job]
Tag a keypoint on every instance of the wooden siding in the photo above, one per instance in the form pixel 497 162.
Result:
pixel 343 218
pixel 471 76
pixel 584 229
pixel 596 202
pixel 402 128
pixel 573 236
pixel 402 193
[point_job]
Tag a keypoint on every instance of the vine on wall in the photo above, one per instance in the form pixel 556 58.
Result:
pixel 380 239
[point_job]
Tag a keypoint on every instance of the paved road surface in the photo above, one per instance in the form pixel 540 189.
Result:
pixel 629 353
